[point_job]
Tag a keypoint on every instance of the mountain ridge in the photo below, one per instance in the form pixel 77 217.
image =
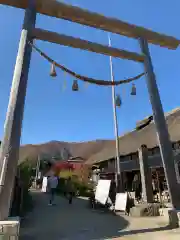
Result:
pixel 55 148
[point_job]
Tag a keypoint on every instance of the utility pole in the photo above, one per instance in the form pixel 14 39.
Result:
pixel 118 177
pixel 37 170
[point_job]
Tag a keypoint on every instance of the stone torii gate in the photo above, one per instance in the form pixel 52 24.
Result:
pixel 12 131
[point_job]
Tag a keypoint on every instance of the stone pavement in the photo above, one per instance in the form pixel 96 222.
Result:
pixel 78 222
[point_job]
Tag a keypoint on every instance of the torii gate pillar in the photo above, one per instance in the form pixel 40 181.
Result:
pixel 9 153
pixel 161 127
pixel 10 145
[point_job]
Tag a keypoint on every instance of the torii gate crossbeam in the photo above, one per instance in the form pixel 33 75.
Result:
pixel 11 141
pixel 68 12
pixel 40 34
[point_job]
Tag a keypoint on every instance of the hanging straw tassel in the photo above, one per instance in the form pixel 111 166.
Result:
pixel 86 84
pixel 64 82
pixel 75 86
pixel 133 90
pixel 64 86
pixel 53 70
pixel 118 100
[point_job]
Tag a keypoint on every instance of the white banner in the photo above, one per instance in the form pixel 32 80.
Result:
pixel 102 191
pixel 39 175
pixel 121 201
pixel 44 185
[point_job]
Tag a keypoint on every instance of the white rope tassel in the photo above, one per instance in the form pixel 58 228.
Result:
pixel 64 82
pixel 86 84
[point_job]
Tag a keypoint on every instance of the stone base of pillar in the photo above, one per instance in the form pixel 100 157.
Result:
pixel 171 216
pixel 174 218
pixel 145 210
pixel 9 229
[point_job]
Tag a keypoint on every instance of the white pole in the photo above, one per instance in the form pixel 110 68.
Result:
pixel 118 177
pixel 37 170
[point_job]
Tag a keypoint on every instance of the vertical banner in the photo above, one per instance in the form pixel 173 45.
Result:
pixel 44 184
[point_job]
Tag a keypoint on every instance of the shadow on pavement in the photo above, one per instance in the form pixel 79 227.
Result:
pixel 146 230
pixel 69 222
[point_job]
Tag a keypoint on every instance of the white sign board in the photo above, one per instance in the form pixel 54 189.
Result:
pixel 121 201
pixel 102 191
pixel 44 184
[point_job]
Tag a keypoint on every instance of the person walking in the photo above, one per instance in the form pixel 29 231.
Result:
pixel 70 189
pixel 52 185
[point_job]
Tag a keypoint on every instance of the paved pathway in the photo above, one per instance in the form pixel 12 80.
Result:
pixel 78 222
pixel 67 222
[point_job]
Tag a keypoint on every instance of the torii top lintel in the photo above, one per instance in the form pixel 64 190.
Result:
pixel 57 9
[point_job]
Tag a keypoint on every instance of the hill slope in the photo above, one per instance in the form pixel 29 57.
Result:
pixel 98 150
pixel 56 149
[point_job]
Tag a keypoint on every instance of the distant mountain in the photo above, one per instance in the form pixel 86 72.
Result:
pixel 98 150
pixel 62 150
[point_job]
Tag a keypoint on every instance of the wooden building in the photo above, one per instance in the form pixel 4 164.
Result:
pixel 131 142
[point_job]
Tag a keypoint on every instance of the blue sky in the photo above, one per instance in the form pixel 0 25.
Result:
pixel 50 113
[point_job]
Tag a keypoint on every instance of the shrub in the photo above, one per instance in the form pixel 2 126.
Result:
pixel 80 188
pixel 83 189
pixel 22 201
pixel 25 172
